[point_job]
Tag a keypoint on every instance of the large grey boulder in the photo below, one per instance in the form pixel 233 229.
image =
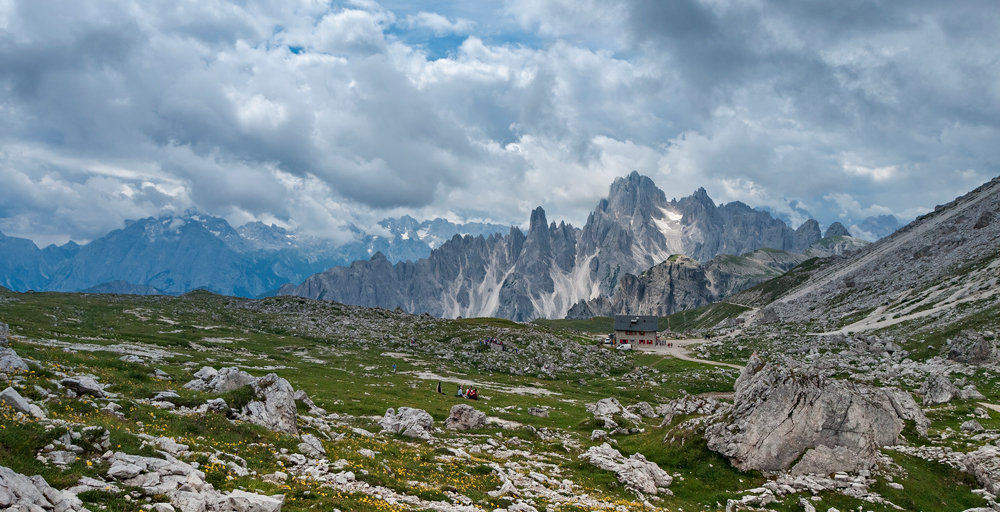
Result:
pixel 635 472
pixel 605 408
pixel 34 493
pixel 311 446
pixel 183 484
pixel 408 422
pixel 971 347
pixel 643 409
pixel 465 417
pixel 84 386
pixel 11 398
pixel 9 360
pixel 938 389
pixel 984 464
pixel 275 407
pixel 222 381
pixel 780 414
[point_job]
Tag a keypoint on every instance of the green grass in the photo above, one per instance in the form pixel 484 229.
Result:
pixel 350 373
pixel 773 289
pixel 595 325
pixel 701 318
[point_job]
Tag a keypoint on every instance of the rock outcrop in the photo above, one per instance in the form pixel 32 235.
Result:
pixel 465 417
pixel 183 484
pixel 275 404
pixel 780 414
pixel 971 347
pixel 11 398
pixel 83 385
pixel 9 360
pixel 34 493
pixel 408 422
pixel 635 472
pixel 938 389
pixel 682 283
pixel 221 381
pixel 984 464
pixel 311 446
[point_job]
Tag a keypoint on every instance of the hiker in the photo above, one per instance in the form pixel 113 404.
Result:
pixel 393 367
pixel 460 394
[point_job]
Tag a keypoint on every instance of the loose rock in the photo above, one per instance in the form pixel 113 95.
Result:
pixel 465 417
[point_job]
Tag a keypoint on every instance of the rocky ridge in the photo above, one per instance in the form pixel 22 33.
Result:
pixel 543 273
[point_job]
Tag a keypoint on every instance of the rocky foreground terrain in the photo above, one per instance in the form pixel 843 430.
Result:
pixel 206 403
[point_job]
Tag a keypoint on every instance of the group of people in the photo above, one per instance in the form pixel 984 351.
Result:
pixel 469 393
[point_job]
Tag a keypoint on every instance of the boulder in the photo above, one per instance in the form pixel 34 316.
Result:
pixel 779 413
pixel 635 472
pixel 538 411
pixel 183 484
pixel 971 347
pixel 984 464
pixel 11 398
pixel 275 407
pixel 465 417
pixel 222 381
pixel 249 502
pixel 84 386
pixel 605 408
pixel 642 409
pixel 17 489
pixel 311 446
pixel 9 360
pixel 408 422
pixel 823 460
pixel 34 493
pixel 217 405
pixel 972 426
pixel 206 373
pixel 938 389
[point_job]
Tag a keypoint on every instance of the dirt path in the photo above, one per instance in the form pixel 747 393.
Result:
pixel 679 351
pixel 990 406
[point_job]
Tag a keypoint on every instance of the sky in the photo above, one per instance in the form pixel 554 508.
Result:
pixel 321 115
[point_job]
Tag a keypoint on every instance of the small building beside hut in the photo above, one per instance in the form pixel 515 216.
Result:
pixel 636 329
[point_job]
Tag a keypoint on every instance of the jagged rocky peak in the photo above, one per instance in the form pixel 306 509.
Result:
pixel 634 195
pixel 554 266
pixel 808 233
pixel 836 229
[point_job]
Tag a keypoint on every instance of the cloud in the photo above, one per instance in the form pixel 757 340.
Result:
pixel 320 115
pixel 439 24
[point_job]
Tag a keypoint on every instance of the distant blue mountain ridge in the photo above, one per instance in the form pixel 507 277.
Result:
pixel 177 254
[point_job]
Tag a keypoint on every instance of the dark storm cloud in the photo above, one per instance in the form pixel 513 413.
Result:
pixel 325 115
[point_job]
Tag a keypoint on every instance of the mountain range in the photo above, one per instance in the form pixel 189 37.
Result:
pixel 176 254
pixel 544 273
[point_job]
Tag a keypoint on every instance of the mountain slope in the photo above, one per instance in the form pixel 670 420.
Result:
pixel 542 274
pixel 681 283
pixel 942 260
